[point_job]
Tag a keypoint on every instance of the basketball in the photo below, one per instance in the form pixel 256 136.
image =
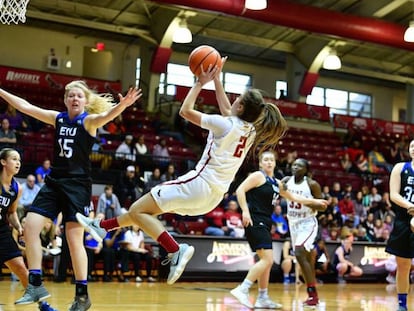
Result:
pixel 202 57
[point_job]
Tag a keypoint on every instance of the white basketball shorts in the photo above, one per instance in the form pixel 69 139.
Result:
pixel 187 195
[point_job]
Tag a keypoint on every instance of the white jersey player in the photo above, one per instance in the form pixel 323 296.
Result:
pixel 303 225
pixel 245 124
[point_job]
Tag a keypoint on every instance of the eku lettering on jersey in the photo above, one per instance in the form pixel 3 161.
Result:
pixel 6 200
pixel 72 145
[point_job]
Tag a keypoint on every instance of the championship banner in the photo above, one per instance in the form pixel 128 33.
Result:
pixel 374 125
pixel 287 108
pixel 10 76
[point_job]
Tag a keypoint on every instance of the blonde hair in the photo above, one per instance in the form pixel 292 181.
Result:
pixel 97 103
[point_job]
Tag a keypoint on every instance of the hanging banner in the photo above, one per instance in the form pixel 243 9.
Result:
pixel 376 126
pixel 17 77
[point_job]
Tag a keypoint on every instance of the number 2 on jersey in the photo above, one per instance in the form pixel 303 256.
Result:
pixel 240 147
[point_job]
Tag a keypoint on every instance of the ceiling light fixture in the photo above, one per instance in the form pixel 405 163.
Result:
pixel 255 4
pixel 182 34
pixel 409 33
pixel 332 61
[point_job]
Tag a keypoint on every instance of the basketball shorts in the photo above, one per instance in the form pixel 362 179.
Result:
pixel 259 236
pixel 66 195
pixel 8 247
pixel 401 240
pixel 303 232
pixel 187 195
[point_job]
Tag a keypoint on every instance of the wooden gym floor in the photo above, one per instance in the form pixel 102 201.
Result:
pixel 194 296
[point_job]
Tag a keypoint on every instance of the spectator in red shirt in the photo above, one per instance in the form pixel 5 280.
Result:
pixel 347 209
pixel 217 223
pixel 234 219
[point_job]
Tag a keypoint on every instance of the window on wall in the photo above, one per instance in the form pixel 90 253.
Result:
pixel 236 83
pixel 281 89
pixel 342 102
pixel 181 75
pixel 138 72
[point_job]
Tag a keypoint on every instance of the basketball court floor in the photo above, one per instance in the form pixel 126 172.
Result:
pixel 194 296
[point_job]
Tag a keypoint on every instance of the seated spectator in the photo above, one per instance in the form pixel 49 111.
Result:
pixel 111 252
pixel 385 207
pixel 346 163
pixel 369 225
pixel 347 209
pixel 116 126
pixel 280 228
pixel 322 260
pixel 361 163
pixel 98 156
pixel 336 190
pixel 126 151
pixel 341 261
pixel 153 180
pixel 326 193
pixel 93 249
pixel 29 192
pixel 50 247
pixel 399 151
pixel 108 204
pixel 286 163
pixel 380 232
pixel 217 223
pixel 18 121
pixel 7 135
pixel 161 155
pixel 234 219
pixel 333 233
pixel 128 187
pixel 169 174
pixel 361 234
pixel 42 171
pixel 334 213
pixel 377 161
pixel 289 265
pixel 138 252
pixel 348 190
pixel 388 223
pixel 323 227
pixel 143 154
pixel 360 211
pixel 374 200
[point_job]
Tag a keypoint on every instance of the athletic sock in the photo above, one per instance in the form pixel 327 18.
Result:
pixel 246 284
pixel 35 277
pixel 311 289
pixel 168 242
pixel 109 224
pixel 402 300
pixel 81 288
pixel 263 293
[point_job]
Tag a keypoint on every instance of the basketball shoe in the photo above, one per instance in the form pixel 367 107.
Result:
pixel 80 303
pixel 266 303
pixel 311 303
pixel 178 261
pixel 242 296
pixel 33 294
pixel 92 226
